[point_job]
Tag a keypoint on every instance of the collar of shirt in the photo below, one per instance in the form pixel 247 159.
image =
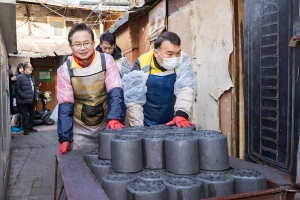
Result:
pixel 79 63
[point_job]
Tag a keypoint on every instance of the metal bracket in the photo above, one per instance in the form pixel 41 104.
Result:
pixel 293 42
pixel 296 38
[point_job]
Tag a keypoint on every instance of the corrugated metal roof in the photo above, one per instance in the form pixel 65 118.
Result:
pixel 134 13
pixel 36 47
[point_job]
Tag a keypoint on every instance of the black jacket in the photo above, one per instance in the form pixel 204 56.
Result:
pixel 23 89
pixel 14 94
pixel 116 54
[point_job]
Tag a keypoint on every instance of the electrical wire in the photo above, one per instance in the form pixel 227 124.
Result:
pixel 101 13
pixel 51 10
pixel 92 11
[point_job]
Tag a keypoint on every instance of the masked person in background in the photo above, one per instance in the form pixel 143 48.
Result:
pixel 160 87
pixel 19 71
pixel 26 97
pixel 108 45
pixel 89 92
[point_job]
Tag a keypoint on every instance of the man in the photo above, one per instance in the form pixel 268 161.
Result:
pixel 89 92
pixel 169 87
pixel 26 97
pixel 108 45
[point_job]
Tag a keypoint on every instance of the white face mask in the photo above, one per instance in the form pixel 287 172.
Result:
pixel 29 72
pixel 169 63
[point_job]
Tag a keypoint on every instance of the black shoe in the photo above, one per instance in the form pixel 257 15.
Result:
pixel 32 130
pixel 25 132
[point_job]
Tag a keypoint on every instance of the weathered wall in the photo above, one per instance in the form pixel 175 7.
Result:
pixel 144 42
pixel 207 37
pixel 124 41
pixel 157 19
pixel 211 27
pixel 5 131
pixel 184 32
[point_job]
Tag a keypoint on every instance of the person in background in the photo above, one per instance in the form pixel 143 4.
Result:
pixel 169 85
pixel 18 72
pixel 89 92
pixel 108 45
pixel 26 97
pixel 11 79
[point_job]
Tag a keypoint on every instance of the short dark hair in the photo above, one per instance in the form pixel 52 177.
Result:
pixel 108 37
pixel 169 36
pixel 20 65
pixel 25 65
pixel 80 27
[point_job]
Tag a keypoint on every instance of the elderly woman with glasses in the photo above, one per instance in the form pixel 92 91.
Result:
pixel 89 92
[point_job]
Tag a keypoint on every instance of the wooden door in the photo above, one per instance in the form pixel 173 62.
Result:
pixel 44 72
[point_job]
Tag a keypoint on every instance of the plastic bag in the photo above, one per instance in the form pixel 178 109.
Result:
pixel 14 119
pixel 134 86
pixel 185 75
pixel 54 114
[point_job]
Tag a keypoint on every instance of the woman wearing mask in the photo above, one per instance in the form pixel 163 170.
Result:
pixel 26 97
pixel 19 71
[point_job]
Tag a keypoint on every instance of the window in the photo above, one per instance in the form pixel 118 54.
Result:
pixel 59 27
pixel 70 24
pixel 56 27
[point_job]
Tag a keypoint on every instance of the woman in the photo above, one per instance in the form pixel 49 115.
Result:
pixel 19 71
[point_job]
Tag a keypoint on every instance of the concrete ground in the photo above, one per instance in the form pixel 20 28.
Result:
pixel 32 171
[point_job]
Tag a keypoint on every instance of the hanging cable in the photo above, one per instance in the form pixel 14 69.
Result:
pixel 51 9
pixel 101 14
pixel 92 12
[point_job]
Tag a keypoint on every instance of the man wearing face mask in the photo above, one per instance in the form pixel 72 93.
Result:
pixel 169 87
pixel 26 97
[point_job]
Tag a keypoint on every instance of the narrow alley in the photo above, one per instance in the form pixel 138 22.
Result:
pixel 33 164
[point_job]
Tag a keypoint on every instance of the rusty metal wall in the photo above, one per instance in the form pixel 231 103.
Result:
pixel 111 19
pixel 5 130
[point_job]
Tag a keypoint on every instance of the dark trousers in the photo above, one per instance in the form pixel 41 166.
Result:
pixel 27 111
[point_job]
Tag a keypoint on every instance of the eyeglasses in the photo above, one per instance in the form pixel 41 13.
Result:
pixel 85 45
pixel 107 48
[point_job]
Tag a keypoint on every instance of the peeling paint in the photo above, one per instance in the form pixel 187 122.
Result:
pixel 211 29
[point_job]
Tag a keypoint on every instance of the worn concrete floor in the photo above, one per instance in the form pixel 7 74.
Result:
pixel 32 171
